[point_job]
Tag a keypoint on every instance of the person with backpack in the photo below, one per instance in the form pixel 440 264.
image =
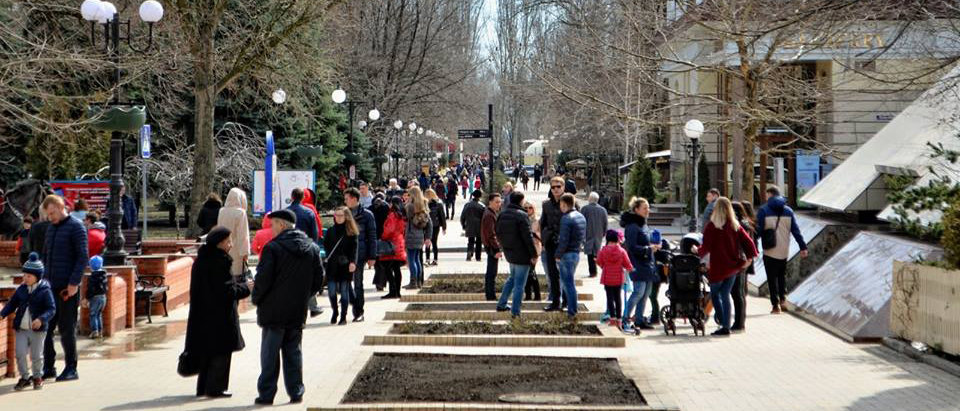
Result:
pixel 775 224
pixel 438 216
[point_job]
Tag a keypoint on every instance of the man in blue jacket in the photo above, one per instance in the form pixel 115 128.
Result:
pixel 366 248
pixel 776 215
pixel 573 229
pixel 64 261
pixel 306 219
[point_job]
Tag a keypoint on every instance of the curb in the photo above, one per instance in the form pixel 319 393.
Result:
pixel 495 341
pixel 932 360
pixel 430 298
pixel 414 406
pixel 480 316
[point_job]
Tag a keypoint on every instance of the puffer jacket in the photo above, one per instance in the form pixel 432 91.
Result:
pixel 516 237
pixel 289 273
pixel 637 244
pixel 471 217
pixel 40 302
pixel 394 231
pixel 614 261
pixel 367 241
pixel 66 253
pixel 573 230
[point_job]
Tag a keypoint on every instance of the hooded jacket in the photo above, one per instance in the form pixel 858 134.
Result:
pixel 637 244
pixel 516 238
pixel 309 201
pixel 289 273
pixel 96 236
pixel 208 216
pixel 213 325
pixel 367 241
pixel 263 236
pixel 767 218
pixel 394 231
pixel 471 216
pixel 40 302
pixel 233 215
pixel 66 253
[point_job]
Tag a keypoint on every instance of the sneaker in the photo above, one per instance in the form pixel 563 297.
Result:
pixel 23 383
pixel 737 329
pixel 720 332
pixel 628 329
pixel 314 313
pixel 502 309
pixel 37 383
pixel 68 375
pixel 49 374
pixel 775 310
pixel 552 308
pixel 358 319
pixel 645 326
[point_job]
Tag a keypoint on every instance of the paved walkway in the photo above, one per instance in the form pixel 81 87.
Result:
pixel 782 362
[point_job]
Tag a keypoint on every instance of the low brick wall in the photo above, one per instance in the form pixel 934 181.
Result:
pixel 7 342
pixel 496 340
pixel 151 247
pixel 481 316
pixel 8 254
pixel 425 298
pixel 175 269
pixel 114 312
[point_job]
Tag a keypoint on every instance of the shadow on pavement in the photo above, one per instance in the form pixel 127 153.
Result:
pixel 161 402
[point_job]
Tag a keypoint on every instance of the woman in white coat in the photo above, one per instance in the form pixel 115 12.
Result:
pixel 233 215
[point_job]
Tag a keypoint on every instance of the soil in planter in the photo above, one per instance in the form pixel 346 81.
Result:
pixel 394 377
pixel 484 306
pixel 518 327
pixel 458 286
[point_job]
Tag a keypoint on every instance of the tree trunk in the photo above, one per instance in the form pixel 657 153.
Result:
pixel 204 159
pixel 747 173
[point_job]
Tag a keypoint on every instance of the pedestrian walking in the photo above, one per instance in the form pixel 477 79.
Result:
pixel 209 213
pixel 516 238
pixel 450 197
pixel 505 192
pixel 532 289
pixel 129 208
pixel 366 248
pixel 290 271
pixel 488 235
pixel 524 179
pixel 614 262
pixel 95 297
pixel 307 223
pixel 394 232
pixel 233 217
pixel 573 228
pixel 438 216
pixel 417 234
pixel 213 324
pixel 537 176
pixel 34 308
pixel 739 293
pixel 380 210
pixel 262 236
pixel 66 258
pixel 366 197
pixel 470 218
pixel 731 250
pixel 341 261
pixel 775 224
pixel 641 251
pixel 96 233
pixel 550 216
pixel 712 195
pixel 596 217
pixel 464 186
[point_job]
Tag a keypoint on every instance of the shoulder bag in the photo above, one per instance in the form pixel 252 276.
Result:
pixel 769 235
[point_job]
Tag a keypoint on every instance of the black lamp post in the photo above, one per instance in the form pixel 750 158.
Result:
pixel 340 97
pixel 693 130
pixel 118 117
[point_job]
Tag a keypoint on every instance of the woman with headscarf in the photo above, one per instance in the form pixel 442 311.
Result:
pixel 233 216
pixel 213 325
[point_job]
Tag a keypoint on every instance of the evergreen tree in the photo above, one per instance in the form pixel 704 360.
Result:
pixel 641 182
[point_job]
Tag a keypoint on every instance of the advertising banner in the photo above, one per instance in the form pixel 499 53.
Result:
pixel 286 181
pixel 95 192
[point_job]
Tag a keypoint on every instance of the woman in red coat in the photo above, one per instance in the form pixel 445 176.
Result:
pixel 731 250
pixel 394 230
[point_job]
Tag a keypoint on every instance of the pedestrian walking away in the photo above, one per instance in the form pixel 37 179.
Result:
pixel 34 308
pixel 775 224
pixel 417 234
pixel 470 218
pixel 596 217
pixel 213 324
pixel 209 213
pixel 731 250
pixel 450 197
pixel 516 239
pixel 65 260
pixel 394 233
pixel 438 217
pixel 744 213
pixel 233 216
pixel 290 271
pixel 341 261
pixel 573 229
pixel 488 235
pixel 366 248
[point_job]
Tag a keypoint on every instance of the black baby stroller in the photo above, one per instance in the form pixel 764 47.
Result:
pixel 686 294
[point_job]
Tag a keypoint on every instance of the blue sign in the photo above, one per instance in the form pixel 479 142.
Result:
pixel 808 170
pixel 145 141
pixel 269 171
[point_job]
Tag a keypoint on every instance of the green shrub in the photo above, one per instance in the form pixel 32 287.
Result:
pixel 950 240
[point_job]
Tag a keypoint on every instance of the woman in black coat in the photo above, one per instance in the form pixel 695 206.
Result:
pixel 209 213
pixel 341 243
pixel 213 325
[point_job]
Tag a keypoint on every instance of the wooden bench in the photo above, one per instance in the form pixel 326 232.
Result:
pixel 151 289
pixel 132 240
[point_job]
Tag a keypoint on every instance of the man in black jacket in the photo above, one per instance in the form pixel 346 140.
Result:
pixel 289 272
pixel 366 248
pixel 549 227
pixel 470 219
pixel 516 241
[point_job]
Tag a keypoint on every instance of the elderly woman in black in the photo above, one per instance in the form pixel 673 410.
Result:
pixel 213 326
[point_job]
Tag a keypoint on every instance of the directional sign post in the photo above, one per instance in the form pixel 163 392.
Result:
pixel 471 134
pixel 145 154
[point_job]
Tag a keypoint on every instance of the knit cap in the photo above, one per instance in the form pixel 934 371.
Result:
pixel 33 265
pixel 96 263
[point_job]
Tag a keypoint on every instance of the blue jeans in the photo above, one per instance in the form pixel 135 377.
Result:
pixel 515 284
pixel 342 288
pixel 415 264
pixel 97 303
pixel 567 266
pixel 638 300
pixel 279 342
pixel 720 294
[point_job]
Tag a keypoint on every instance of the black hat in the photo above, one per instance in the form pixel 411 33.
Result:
pixel 476 194
pixel 284 215
pixel 217 235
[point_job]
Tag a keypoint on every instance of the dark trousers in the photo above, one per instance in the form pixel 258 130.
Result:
pixel 490 278
pixel 536 182
pixel 655 303
pixel 532 289
pixel 392 273
pixel 473 247
pixel 356 293
pixel 379 274
pixel 592 264
pixel 776 279
pixel 433 244
pixel 553 275
pixel 451 205
pixel 739 295
pixel 614 303
pixel 66 320
pixel 214 375
pixel 280 343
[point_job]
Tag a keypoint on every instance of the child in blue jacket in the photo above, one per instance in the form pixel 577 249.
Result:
pixel 34 307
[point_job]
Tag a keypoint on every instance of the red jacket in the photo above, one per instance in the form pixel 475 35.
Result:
pixel 95 240
pixel 614 262
pixel 729 250
pixel 394 230
pixel 263 236
pixel 308 199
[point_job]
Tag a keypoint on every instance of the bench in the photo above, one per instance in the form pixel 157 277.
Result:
pixel 132 239
pixel 151 289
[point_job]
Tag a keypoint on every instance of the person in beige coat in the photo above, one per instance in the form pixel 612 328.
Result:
pixel 233 215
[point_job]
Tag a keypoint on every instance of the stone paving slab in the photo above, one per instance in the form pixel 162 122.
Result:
pixel 454 297
pixel 480 316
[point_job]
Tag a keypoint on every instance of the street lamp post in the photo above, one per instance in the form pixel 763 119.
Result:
pixel 694 130
pixel 340 97
pixel 105 13
pixel 398 125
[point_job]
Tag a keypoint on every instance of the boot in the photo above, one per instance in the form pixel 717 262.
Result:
pixel 333 319
pixel 343 319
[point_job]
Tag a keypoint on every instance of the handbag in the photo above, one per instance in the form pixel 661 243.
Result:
pixel 769 235
pixel 327 258
pixel 385 248
pixel 187 366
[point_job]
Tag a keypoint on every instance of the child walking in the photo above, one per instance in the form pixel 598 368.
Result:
pixel 34 307
pixel 96 295
pixel 614 262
